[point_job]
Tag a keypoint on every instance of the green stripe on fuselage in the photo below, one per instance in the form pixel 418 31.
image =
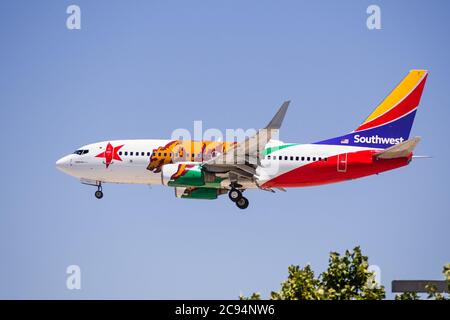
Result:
pixel 269 150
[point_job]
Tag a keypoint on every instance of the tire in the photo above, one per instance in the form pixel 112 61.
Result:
pixel 234 195
pixel 242 203
pixel 98 194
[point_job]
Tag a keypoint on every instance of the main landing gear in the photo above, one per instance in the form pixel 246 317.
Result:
pixel 99 192
pixel 235 195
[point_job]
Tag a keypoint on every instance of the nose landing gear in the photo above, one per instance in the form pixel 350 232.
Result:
pixel 235 195
pixel 99 192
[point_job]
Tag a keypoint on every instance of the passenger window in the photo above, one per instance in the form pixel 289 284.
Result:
pixel 285 157
pixel 142 153
pixel 296 158
pixel 131 153
pixel 126 153
pixel 159 154
pixel 148 154
pixel 292 158
pixel 314 158
pixel 268 157
pixel 120 153
pixel 280 158
pixel 308 159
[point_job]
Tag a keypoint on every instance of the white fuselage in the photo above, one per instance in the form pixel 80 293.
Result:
pixel 90 166
pixel 131 169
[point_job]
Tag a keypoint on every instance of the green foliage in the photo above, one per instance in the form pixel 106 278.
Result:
pixel 407 296
pixel 432 290
pixel 300 285
pixel 254 296
pixel 446 272
pixel 346 278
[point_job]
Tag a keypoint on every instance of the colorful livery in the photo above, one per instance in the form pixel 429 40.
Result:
pixel 208 169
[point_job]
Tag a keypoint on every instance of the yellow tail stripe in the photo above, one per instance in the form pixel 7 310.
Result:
pixel 400 92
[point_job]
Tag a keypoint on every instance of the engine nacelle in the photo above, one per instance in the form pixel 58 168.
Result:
pixel 198 193
pixel 183 174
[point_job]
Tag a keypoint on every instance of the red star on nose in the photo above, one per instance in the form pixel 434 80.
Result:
pixel 110 154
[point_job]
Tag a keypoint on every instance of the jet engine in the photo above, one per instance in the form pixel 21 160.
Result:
pixel 198 193
pixel 185 174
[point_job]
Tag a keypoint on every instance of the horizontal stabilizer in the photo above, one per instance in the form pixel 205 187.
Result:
pixel 400 150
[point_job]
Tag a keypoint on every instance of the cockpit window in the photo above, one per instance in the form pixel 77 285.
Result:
pixel 80 152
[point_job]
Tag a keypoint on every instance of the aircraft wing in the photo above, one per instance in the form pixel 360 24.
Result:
pixel 399 150
pixel 243 157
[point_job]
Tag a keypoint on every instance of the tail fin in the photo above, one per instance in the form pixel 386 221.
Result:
pixel 390 123
pixel 403 100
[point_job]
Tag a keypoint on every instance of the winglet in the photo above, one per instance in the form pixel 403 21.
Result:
pixel 277 120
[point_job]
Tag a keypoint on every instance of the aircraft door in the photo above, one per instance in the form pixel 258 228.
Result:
pixel 342 162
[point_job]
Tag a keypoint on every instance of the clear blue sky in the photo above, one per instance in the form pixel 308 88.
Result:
pixel 139 69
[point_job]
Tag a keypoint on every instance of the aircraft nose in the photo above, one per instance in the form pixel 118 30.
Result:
pixel 63 164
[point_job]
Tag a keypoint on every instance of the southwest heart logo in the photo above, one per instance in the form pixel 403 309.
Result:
pixel 110 154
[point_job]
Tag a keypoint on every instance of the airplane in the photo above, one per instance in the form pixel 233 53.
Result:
pixel 208 169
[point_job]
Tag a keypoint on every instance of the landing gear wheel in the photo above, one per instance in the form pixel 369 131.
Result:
pixel 98 194
pixel 234 195
pixel 242 203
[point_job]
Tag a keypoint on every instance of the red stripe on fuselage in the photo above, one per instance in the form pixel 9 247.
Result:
pixel 359 164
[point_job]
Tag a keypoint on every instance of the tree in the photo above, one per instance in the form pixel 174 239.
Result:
pixel 432 290
pixel 407 296
pixel 346 278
